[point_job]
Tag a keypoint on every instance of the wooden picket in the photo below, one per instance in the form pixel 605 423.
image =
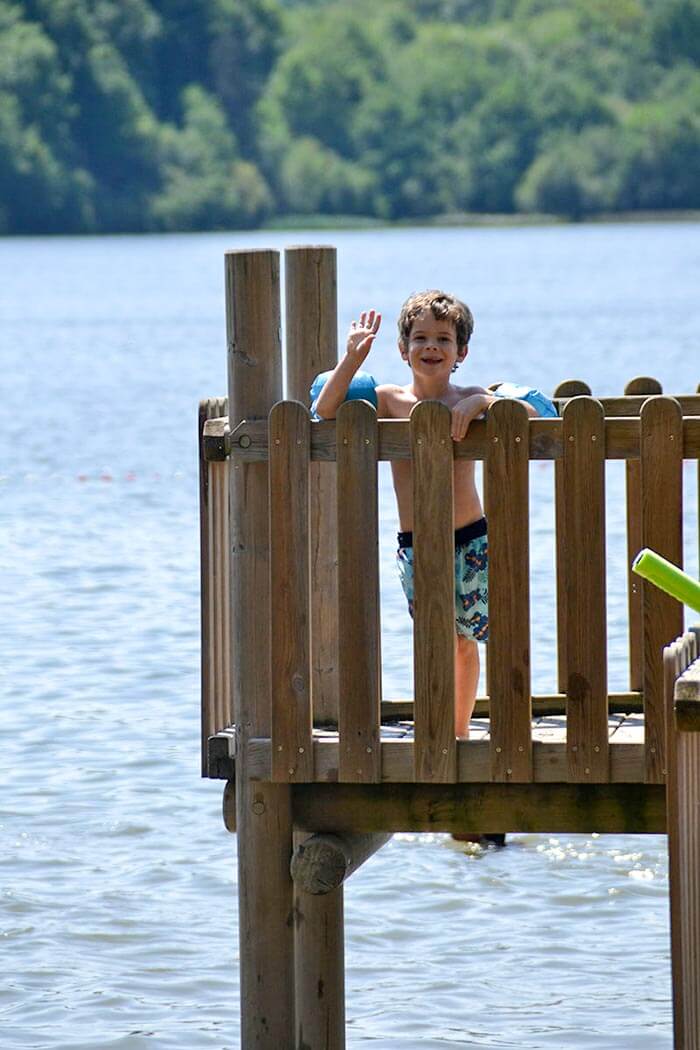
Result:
pixel 435 752
pixel 507 468
pixel 582 496
pixel 290 650
pixel 358 593
pixel 661 481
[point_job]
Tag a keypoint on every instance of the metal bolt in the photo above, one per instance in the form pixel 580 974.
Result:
pixel 298 441
pixel 444 750
pixel 301 750
pixel 291 772
pixel 495 440
pixel 509 772
pixel 575 747
pixel 518 439
pixel 258 808
pixel 277 441
pixel 442 441
pixel 244 441
pixel 652 750
pixel 586 770
pixel 420 441
pixel 369 750
pixel 367 441
pixel 345 441
pixel 520 747
pixel 670 437
pixel 498 750
pixel 571 437
pixel 594 437
pixel 279 747
pixel 596 749
pixel 663 771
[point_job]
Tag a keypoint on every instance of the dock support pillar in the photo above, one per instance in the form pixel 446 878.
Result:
pixel 320 968
pixel 263 811
pixel 683 818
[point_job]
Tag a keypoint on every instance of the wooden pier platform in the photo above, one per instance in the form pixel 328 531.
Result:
pixel 293 717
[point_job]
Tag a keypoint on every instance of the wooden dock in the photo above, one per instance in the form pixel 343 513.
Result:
pixel 319 768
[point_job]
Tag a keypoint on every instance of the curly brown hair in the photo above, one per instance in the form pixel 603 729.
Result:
pixel 443 306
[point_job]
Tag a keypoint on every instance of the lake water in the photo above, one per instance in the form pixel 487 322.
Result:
pixel 117 889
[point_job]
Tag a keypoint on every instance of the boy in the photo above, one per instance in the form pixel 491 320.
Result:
pixel 434 333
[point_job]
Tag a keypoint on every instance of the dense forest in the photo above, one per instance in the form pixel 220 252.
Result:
pixel 208 114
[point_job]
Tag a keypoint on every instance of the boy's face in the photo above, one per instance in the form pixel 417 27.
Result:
pixel 432 348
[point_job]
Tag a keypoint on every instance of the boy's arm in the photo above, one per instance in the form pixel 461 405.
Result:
pixel 359 342
pixel 475 404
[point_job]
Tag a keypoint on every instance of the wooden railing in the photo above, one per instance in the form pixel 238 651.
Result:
pixel 653 444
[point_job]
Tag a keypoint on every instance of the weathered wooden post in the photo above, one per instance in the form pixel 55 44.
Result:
pixel 311 347
pixel 682 701
pixel 263 810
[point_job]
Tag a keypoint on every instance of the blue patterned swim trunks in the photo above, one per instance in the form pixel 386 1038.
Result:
pixel 471 578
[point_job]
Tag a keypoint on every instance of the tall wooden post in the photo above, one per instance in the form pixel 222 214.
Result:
pixel 311 337
pixel 263 811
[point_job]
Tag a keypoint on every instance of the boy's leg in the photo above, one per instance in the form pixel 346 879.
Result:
pixel 466 682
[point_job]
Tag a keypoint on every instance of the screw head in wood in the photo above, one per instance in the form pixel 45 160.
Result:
pixel 301 750
pixel 518 439
pixel 498 750
pixel 586 770
pixel 444 750
pixel 509 772
pixel 258 807
pixel 369 750
pixel 596 748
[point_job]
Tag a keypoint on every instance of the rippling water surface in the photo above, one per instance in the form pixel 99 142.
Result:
pixel 117 889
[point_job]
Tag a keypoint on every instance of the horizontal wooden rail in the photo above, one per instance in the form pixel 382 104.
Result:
pixel 248 440
pixel 549 764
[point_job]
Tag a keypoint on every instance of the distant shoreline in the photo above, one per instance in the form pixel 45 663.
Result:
pixel 461 220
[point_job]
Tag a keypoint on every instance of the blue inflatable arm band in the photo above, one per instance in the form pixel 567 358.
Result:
pixel 539 401
pixel 362 388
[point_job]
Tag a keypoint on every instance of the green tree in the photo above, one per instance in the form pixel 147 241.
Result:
pixel 207 185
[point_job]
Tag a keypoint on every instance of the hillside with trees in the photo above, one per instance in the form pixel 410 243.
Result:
pixel 123 115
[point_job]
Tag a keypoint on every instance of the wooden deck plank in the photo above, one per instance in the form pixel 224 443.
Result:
pixel 358 583
pixel 434 603
pixel 507 468
pixel 661 478
pixel 290 652
pixel 583 498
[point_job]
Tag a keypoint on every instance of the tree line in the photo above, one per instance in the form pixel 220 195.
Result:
pixel 123 115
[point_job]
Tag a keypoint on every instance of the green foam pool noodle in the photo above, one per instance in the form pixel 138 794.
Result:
pixel 668 577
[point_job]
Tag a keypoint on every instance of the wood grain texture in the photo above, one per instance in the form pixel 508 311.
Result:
pixel 568 389
pixel 434 593
pixel 584 571
pixel 640 386
pixel 322 863
pixel 211 572
pixel 469 808
pixel 311 343
pixel 249 440
pixel 358 591
pixel 290 651
pixel 509 592
pixel 263 811
pixel 661 520
pixel 683 802
pixel 320 973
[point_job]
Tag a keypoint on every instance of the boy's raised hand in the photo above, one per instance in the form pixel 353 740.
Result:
pixel 361 335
